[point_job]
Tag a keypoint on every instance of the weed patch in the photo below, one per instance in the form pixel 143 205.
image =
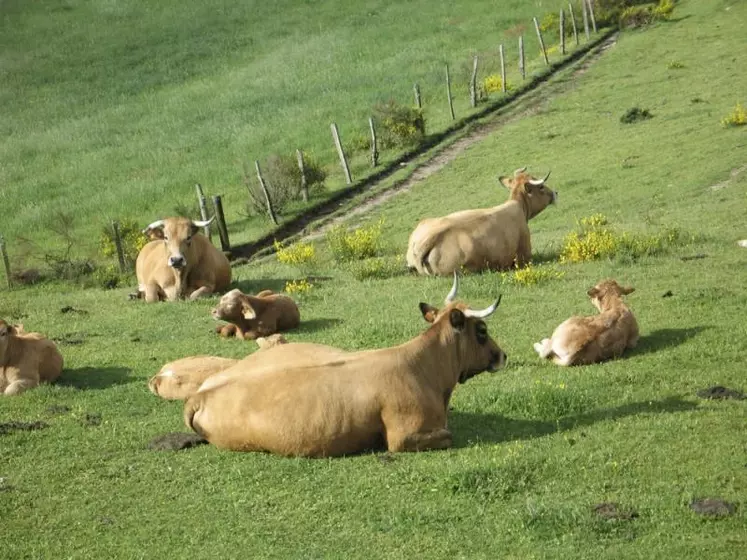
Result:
pixel 361 243
pixel 635 114
pixel 738 117
pixel 531 275
pixel 378 268
pixel 300 255
pixel 399 125
pixel 298 287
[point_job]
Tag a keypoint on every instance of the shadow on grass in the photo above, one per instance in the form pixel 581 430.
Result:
pixel 313 325
pixel 665 338
pixel 495 428
pixel 94 378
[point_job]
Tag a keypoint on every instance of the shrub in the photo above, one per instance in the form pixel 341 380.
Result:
pixel 531 275
pixel 550 24
pixel 299 287
pixel 398 125
pixel 738 117
pixel 378 267
pixel 493 83
pixel 301 255
pixel 635 114
pixel 133 240
pixel 283 181
pixel 361 243
pixel 631 13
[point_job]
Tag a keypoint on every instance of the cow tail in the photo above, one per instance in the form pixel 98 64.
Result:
pixel 427 246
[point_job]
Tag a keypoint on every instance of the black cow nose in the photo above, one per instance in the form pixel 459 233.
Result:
pixel 177 262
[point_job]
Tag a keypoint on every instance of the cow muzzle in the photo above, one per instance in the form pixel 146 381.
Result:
pixel 554 197
pixel 499 361
pixel 177 262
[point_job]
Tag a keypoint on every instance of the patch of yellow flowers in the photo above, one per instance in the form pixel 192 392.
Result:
pixel 358 244
pixel 296 255
pixel 738 117
pixel 493 83
pixel 302 286
pixel 531 275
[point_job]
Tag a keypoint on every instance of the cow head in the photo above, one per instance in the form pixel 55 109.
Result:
pixel 466 329
pixel 608 293
pixel 177 234
pixel 234 306
pixel 536 195
pixel 6 331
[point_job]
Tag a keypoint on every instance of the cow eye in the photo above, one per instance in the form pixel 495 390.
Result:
pixel 481 333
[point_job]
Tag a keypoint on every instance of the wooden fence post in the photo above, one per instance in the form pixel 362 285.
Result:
pixel 225 245
pixel 573 22
pixel 504 88
pixel 418 102
pixel 562 31
pixel 586 18
pixel 473 84
pixel 203 210
pixel 522 68
pixel 6 263
pixel 118 245
pixel 541 42
pixel 591 15
pixel 374 147
pixel 302 169
pixel 341 153
pixel 268 200
pixel 448 93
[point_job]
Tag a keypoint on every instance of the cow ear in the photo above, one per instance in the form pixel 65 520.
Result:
pixel 247 310
pixel 457 319
pixel 429 312
pixel 193 229
pixel 627 290
pixel 593 292
pixel 153 233
pixel 12 329
pixel 506 182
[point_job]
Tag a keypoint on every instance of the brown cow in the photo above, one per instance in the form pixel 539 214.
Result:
pixel 336 405
pixel 180 262
pixel 181 378
pixel 255 316
pixel 26 359
pixel 586 340
pixel 487 238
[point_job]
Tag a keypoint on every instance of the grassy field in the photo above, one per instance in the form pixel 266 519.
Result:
pixel 125 105
pixel 535 446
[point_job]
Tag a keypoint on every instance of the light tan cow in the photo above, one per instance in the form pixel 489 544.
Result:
pixel 252 317
pixel 181 378
pixel 486 238
pixel 395 398
pixel 26 359
pixel 180 262
pixel 587 340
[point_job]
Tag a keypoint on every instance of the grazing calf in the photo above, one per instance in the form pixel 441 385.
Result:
pixel 486 238
pixel 180 262
pixel 256 316
pixel 26 359
pixel 337 403
pixel 587 340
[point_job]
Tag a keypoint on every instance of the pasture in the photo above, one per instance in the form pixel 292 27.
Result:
pixel 536 447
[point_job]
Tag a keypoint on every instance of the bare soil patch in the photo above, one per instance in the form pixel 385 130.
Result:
pixel 175 441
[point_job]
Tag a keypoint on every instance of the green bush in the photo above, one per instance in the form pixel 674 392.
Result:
pixel 283 181
pixel 630 13
pixel 132 238
pixel 398 125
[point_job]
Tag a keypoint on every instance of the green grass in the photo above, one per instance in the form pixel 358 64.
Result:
pixel 124 106
pixel 535 446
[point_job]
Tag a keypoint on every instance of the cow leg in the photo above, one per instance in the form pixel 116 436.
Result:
pixel 420 441
pixel 18 387
pixel 201 292
pixel 152 293
pixel 524 252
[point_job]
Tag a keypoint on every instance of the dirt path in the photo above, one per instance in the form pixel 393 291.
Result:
pixel 531 103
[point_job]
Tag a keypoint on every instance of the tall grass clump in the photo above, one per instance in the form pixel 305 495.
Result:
pixel 378 268
pixel 738 117
pixel 361 243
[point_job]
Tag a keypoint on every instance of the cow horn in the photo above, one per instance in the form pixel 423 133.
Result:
pixel 154 225
pixel 453 293
pixel 520 170
pixel 537 183
pixel 205 223
pixel 483 312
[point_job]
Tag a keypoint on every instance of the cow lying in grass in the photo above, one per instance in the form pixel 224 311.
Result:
pixel 256 316
pixel 487 238
pixel 180 262
pixel 181 378
pixel 26 359
pixel 587 340
pixel 339 402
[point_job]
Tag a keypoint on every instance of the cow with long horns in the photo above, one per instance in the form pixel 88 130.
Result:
pixel 346 402
pixel 179 262
pixel 486 238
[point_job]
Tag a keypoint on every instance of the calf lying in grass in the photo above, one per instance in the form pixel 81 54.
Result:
pixel 181 378
pixel 26 359
pixel 587 340
pixel 256 316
